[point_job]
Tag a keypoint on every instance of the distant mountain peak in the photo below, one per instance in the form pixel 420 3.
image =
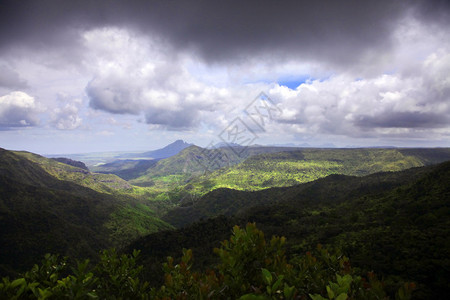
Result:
pixel 168 151
pixel 179 142
pixel 175 145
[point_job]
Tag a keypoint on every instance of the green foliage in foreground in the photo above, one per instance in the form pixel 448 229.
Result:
pixel 249 268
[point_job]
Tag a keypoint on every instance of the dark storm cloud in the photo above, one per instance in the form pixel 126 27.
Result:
pixel 403 120
pixel 435 11
pixel 220 30
pixel 173 120
pixel 334 31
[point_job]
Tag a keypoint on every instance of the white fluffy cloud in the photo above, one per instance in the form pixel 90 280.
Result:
pixel 134 76
pixel 389 104
pixel 66 115
pixel 18 109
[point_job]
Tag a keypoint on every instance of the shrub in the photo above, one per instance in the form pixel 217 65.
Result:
pixel 249 268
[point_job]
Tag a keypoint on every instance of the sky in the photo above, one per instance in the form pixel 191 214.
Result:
pixel 90 76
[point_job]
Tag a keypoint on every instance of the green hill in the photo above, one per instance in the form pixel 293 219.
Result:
pixel 47 206
pixel 396 223
pixel 105 183
pixel 229 202
pixel 185 177
pixel 386 208
pixel 261 171
pixel 397 230
pixel 194 161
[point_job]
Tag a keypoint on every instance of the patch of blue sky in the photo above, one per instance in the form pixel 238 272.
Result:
pixel 290 82
pixel 293 82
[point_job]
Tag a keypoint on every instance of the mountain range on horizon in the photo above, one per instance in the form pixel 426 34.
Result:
pixel 100 158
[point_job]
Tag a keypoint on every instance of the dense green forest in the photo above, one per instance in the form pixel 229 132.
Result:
pixel 196 171
pixel 48 206
pixel 386 209
pixel 248 267
pixel 393 223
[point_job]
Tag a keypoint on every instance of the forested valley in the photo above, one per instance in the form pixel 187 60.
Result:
pixel 258 223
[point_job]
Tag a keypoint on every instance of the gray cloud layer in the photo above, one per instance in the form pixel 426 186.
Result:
pixel 136 56
pixel 389 119
pixel 10 79
pixel 336 31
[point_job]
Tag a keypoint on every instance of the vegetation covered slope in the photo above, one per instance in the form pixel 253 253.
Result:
pixel 397 231
pixel 330 189
pixel 40 213
pixel 105 183
pixel 194 161
pixel 394 223
pixel 196 171
pixel 300 166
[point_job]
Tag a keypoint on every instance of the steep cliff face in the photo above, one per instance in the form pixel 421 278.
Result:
pixel 72 162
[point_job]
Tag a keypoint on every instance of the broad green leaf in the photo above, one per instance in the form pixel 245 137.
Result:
pixel 18 282
pixel 277 283
pixel 288 291
pixel 317 297
pixel 342 296
pixel 330 292
pixel 267 276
